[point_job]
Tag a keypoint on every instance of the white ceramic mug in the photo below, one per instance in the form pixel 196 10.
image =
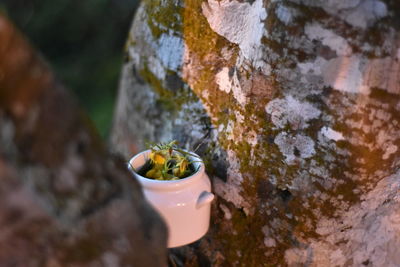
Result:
pixel 184 204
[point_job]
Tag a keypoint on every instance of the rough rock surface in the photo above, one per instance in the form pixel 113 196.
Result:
pixel 64 201
pixel 296 107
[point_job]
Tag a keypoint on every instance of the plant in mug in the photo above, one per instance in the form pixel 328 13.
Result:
pixel 184 204
pixel 167 162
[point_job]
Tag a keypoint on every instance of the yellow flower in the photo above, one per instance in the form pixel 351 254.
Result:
pixel 150 173
pixel 183 166
pixel 157 158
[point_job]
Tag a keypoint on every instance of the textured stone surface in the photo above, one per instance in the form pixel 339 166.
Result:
pixel 64 201
pixel 296 106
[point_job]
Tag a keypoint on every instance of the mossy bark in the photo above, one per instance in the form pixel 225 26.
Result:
pixel 64 200
pixel 297 113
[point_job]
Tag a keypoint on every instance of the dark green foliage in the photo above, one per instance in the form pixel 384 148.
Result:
pixel 83 41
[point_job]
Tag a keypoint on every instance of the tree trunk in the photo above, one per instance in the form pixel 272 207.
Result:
pixel 64 201
pixel 295 105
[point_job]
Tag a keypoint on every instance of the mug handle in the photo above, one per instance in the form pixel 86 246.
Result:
pixel 204 198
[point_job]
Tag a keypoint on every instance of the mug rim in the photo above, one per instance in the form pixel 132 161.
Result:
pixel 164 184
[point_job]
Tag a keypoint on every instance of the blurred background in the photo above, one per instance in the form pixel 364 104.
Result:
pixel 83 41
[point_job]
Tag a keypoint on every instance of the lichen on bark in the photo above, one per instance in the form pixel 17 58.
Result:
pixel 65 201
pixel 305 118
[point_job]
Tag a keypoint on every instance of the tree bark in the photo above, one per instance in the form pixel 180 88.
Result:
pixel 296 105
pixel 64 201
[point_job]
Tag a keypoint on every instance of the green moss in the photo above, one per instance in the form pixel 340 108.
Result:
pixel 163 16
pixel 264 161
pixel 172 101
pixel 131 42
pixel 236 241
pixel 257 163
pixel 156 84
pixel 198 35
